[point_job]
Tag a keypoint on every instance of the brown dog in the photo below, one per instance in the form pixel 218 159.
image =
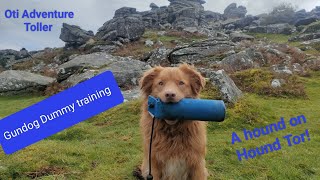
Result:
pixel 179 147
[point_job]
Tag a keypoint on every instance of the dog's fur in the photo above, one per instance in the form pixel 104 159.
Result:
pixel 179 147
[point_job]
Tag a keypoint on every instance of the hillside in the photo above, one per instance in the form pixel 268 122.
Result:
pixel 111 143
pixel 264 67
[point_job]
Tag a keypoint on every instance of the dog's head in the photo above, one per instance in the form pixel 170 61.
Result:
pixel 171 84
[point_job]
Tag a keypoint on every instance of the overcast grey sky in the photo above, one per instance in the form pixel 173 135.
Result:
pixel 91 14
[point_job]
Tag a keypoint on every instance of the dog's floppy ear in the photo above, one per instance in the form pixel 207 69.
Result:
pixel 147 80
pixel 197 82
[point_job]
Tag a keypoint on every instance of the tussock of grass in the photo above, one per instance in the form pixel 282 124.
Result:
pixel 259 81
pixel 55 88
pixel 210 92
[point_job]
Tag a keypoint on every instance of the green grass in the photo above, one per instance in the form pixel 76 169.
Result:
pixel 108 146
pixel 168 39
pixel 276 38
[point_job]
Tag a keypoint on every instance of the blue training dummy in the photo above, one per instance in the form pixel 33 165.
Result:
pixel 187 109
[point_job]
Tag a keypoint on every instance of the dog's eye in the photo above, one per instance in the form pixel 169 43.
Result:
pixel 160 83
pixel 181 83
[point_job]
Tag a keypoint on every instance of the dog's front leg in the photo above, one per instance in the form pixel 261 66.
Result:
pixel 156 173
pixel 199 172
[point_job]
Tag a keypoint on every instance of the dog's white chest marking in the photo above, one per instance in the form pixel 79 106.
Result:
pixel 175 169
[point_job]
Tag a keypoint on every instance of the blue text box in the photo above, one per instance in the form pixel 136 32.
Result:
pixel 59 112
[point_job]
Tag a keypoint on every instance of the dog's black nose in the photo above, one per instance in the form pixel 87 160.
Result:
pixel 170 95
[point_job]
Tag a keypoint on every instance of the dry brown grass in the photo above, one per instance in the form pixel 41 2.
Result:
pixel 135 49
pixel 45 171
pixel 306 73
pixel 270 57
pixel 315 65
pixel 55 88
pixel 46 57
pixel 296 54
pixel 49 72
pixel 24 65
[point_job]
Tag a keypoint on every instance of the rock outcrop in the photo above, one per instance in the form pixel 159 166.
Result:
pixel 184 13
pixel 275 83
pixel 156 18
pixel 127 24
pixel 159 57
pixel 153 6
pixel 305 37
pixel 316 12
pixel 230 93
pixel 20 82
pixel 131 94
pixel 312 28
pixel 302 17
pixel 240 23
pixel 305 21
pixel 314 42
pixel 126 70
pixel 281 69
pixel 232 11
pixel 299 15
pixel 74 36
pixel 179 15
pixel 249 58
pixel 9 56
pixel 211 16
pixel 273 29
pixel 211 50
pixel 237 37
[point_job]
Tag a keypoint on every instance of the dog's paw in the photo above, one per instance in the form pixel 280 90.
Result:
pixel 137 173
